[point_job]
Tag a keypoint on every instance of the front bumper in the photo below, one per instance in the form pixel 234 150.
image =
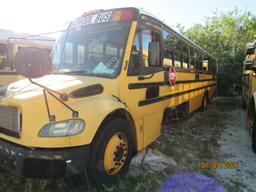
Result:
pixel 43 163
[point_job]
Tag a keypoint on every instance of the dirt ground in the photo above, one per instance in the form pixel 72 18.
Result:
pixel 216 135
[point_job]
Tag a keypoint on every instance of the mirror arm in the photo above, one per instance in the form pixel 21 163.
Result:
pixel 62 98
pixel 52 118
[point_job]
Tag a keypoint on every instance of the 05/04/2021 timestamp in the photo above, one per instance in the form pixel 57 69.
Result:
pixel 219 165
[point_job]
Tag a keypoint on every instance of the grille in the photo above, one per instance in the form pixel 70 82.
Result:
pixel 9 121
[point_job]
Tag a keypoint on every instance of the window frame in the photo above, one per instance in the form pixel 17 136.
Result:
pixel 146 70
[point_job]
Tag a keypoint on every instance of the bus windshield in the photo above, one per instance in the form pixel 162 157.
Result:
pixel 94 50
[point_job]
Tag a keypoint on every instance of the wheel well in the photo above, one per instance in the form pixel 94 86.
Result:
pixel 179 111
pixel 121 113
pixel 251 109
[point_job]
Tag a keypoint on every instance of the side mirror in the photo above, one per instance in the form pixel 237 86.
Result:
pixel 154 54
pixel 32 62
pixel 253 67
pixel 250 48
pixel 249 62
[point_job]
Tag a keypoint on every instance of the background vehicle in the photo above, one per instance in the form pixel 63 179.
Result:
pixel 249 96
pixel 246 73
pixel 115 74
pixel 3 53
pixel 8 50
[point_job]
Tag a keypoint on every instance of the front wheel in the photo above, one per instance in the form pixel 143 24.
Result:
pixel 111 153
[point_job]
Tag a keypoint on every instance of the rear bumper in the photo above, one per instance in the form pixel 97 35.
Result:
pixel 43 163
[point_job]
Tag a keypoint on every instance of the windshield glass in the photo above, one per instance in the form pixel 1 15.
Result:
pixel 94 50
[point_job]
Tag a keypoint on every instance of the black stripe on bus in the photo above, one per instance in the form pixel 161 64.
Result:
pixel 165 97
pixel 163 83
pixel 8 73
pixel 194 81
pixel 184 70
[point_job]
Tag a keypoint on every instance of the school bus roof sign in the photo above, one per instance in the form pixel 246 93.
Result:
pixel 100 16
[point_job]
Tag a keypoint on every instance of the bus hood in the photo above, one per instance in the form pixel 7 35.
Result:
pixel 24 89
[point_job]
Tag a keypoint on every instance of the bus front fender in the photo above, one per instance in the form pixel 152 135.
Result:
pixel 93 111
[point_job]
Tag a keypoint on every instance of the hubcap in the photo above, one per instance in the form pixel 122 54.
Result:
pixel 116 153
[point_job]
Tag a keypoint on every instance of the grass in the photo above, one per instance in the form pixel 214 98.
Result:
pixel 145 182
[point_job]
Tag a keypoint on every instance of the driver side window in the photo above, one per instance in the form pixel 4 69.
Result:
pixel 139 60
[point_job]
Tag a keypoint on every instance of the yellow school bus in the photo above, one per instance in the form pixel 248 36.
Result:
pixel 249 88
pixel 247 72
pixel 8 50
pixel 117 73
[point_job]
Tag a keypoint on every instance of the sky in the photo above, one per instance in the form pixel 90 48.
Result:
pixel 41 16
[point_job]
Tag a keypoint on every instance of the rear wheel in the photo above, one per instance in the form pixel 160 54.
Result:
pixel 111 152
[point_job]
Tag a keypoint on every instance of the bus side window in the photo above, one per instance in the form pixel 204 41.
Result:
pixel 168 50
pixel 148 36
pixel 177 51
pixel 185 53
pixel 199 60
pixel 134 65
pixel 177 60
pixel 139 58
pixel 191 58
pixel 206 63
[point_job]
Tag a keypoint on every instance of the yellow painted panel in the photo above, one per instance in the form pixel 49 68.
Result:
pixel 152 124
pixel 139 134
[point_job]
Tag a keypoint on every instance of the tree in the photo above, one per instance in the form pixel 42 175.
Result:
pixel 225 35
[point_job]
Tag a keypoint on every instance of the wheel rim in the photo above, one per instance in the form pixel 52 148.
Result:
pixel 115 153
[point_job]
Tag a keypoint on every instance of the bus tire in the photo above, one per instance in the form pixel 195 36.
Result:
pixel 111 152
pixel 254 136
pixel 204 102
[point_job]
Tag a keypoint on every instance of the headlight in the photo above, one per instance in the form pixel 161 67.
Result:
pixel 62 128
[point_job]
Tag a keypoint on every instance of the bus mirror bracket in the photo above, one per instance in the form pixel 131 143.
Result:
pixel 34 62
pixel 253 67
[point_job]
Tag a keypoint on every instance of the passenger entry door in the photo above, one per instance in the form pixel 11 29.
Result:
pixel 143 85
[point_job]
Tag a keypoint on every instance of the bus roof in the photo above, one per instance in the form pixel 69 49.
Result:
pixel 143 12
